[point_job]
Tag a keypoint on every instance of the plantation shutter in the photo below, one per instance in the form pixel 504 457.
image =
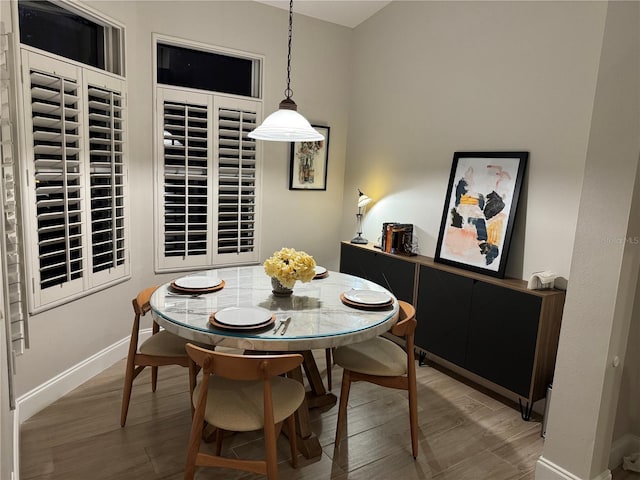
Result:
pixel 185 178
pixel 76 178
pixel 208 180
pixel 53 114
pixel 237 184
pixel 11 247
pixel 107 180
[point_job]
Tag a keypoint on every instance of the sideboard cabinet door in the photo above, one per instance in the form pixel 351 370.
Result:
pixel 503 332
pixel 442 311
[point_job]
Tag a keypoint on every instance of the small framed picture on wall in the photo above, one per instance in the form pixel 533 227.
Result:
pixel 308 163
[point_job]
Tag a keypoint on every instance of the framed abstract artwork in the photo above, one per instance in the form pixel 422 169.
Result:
pixel 308 163
pixel 480 209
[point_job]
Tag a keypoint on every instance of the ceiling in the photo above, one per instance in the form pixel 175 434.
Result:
pixel 349 13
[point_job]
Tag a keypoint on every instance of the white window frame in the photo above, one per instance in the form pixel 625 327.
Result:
pixel 114 34
pixel 213 101
pixel 27 58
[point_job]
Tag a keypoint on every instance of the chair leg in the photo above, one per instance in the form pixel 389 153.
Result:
pixel 126 391
pixel 271 452
pixel 219 437
pixel 329 359
pixel 154 378
pixel 194 444
pixel 342 411
pixel 413 417
pixel 293 440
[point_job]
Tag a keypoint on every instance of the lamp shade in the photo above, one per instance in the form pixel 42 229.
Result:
pixel 285 125
pixel 363 200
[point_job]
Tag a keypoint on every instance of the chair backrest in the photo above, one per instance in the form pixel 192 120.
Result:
pixel 242 367
pixel 141 302
pixel 407 322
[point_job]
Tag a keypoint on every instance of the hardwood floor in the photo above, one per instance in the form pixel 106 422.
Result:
pixel 464 434
pixel 619 474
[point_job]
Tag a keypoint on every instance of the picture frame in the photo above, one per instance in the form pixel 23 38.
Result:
pixel 480 210
pixel 308 163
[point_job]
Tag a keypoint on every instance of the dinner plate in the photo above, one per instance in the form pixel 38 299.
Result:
pixel 366 306
pixel 320 270
pixel 367 297
pixel 260 326
pixel 243 316
pixel 197 282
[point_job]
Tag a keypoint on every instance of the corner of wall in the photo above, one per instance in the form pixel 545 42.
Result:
pixel 623 446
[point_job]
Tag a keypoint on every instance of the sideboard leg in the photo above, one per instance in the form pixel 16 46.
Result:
pixel 422 356
pixel 525 410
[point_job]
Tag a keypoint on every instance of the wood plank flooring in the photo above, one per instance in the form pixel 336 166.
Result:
pixel 465 434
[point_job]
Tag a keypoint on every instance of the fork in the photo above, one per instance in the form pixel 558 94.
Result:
pixel 286 325
pixel 190 295
pixel 280 324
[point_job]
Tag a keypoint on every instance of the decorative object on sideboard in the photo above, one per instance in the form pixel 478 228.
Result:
pixel 542 280
pixel 397 238
pixel 286 124
pixel 479 210
pixel 308 163
pixel 363 201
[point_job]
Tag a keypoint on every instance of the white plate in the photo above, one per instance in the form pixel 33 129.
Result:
pixel 243 316
pixel 197 282
pixel 320 270
pixel 368 297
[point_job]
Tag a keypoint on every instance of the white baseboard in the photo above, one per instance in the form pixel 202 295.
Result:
pixel 44 395
pixel 547 470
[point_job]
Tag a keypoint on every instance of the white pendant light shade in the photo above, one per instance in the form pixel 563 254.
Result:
pixel 286 125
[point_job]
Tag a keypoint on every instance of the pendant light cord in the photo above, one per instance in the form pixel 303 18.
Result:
pixel 288 93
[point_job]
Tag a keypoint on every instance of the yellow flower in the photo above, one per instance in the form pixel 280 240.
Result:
pixel 289 265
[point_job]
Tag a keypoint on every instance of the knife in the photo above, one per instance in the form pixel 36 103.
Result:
pixel 286 325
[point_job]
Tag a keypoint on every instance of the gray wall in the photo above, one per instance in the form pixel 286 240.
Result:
pixel 538 76
pixel 605 264
pixel 475 76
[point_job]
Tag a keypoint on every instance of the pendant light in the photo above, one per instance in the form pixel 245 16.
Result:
pixel 286 124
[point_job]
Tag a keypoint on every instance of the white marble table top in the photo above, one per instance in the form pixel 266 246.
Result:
pixel 319 319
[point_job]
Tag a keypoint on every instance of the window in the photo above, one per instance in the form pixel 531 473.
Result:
pixel 76 177
pixel 208 168
pixel 80 37
pixel 185 67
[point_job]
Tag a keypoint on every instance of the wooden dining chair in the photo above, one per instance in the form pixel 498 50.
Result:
pixel 383 362
pixel 242 393
pixel 161 348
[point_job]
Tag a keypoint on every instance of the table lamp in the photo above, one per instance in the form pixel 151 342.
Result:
pixel 363 201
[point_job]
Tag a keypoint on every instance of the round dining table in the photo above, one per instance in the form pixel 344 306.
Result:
pixel 316 316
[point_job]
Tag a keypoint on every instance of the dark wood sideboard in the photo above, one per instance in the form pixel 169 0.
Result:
pixel 493 331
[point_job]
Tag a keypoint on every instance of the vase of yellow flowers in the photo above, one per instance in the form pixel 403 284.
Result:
pixel 286 266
